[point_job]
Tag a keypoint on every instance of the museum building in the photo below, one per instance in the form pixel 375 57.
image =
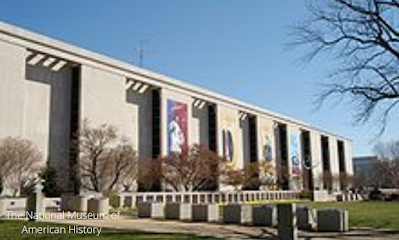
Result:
pixel 48 88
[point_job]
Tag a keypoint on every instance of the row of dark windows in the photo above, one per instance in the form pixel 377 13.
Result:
pixel 307 157
pixel 212 124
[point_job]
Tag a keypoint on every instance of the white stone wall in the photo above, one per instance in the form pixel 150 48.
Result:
pixel 12 89
pixel 12 93
pixel 348 157
pixel 37 114
pixel 47 114
pixel 35 105
pixel 103 101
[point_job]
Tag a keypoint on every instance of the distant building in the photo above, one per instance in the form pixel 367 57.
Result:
pixel 363 168
pixel 364 165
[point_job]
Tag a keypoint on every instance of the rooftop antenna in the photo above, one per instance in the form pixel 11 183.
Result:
pixel 141 51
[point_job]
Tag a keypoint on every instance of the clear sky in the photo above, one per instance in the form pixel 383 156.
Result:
pixel 235 47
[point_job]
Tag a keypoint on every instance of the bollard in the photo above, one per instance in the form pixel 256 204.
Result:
pixel 333 220
pixel 98 206
pixel 264 215
pixel 35 202
pixel 306 217
pixel 237 213
pixel 205 213
pixel 66 201
pixel 286 215
pixel 151 210
pixel 78 203
pixel 178 211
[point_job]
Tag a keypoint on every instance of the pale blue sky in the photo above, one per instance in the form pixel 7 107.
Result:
pixel 235 47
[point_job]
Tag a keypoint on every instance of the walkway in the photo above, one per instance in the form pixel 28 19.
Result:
pixel 224 231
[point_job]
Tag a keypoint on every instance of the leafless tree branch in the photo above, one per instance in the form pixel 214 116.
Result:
pixel 362 36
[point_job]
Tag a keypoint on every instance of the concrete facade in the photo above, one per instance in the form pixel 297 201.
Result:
pixel 37 76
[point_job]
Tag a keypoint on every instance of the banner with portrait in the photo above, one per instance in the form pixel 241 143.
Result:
pixel 229 132
pixel 177 124
pixel 266 142
pixel 228 145
pixel 295 153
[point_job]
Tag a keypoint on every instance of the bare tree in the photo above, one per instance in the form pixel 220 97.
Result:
pixel 267 175
pixel 149 174
pixel 123 166
pixel 347 181
pixel 363 37
pixel 329 180
pixel 385 172
pixel 192 170
pixel 283 176
pixel 20 162
pixel 252 176
pixel 106 160
pixel 387 150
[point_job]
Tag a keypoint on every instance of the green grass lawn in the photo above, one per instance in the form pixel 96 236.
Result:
pixel 367 214
pixel 361 214
pixel 11 230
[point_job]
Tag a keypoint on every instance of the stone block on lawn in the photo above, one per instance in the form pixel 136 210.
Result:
pixel 178 211
pixel 66 201
pixel 78 203
pixel 306 217
pixel 237 213
pixel 333 220
pixel 205 212
pixel 264 215
pixel 98 206
pixel 151 210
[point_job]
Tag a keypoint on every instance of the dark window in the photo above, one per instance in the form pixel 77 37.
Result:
pixel 155 186
pixel 341 156
pixel 307 160
pixel 283 176
pixel 283 144
pixel 75 125
pixel 325 153
pixel 212 127
pixel 156 123
pixel 253 146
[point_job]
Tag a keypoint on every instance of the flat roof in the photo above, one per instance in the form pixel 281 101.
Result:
pixel 79 54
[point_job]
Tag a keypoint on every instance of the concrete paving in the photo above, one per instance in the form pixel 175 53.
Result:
pixel 227 231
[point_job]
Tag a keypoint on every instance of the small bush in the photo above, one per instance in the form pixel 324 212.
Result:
pixel 113 199
pixel 49 175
